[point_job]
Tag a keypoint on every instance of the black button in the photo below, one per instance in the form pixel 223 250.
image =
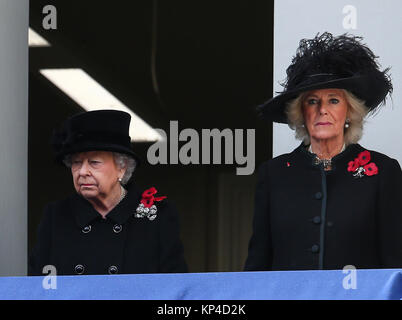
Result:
pixel 330 224
pixel 86 229
pixel 79 269
pixel 317 220
pixel 318 195
pixel 117 228
pixel 315 248
pixel 113 270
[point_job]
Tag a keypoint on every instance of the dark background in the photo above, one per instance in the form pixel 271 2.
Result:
pixel 213 65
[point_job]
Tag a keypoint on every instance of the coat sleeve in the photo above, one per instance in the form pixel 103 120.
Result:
pixel 40 255
pixel 171 252
pixel 390 215
pixel 260 250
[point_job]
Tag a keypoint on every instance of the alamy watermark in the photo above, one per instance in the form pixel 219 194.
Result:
pixel 50 280
pixel 197 149
pixel 350 280
pixel 350 19
pixel 49 21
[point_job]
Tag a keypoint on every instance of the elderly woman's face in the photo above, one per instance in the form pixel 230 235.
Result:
pixel 95 174
pixel 325 113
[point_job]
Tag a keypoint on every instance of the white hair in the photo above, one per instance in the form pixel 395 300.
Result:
pixel 124 161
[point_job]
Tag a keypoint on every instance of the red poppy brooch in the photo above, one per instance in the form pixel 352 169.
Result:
pixel 361 166
pixel 147 208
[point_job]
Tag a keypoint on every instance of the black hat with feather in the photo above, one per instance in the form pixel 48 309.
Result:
pixel 341 62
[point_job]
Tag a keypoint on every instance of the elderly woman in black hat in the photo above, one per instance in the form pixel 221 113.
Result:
pixel 108 226
pixel 329 203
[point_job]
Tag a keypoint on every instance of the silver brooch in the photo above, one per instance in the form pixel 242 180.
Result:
pixel 325 162
pixel 359 172
pixel 142 212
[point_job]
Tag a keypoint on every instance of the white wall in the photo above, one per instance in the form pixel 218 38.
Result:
pixel 380 24
pixel 13 136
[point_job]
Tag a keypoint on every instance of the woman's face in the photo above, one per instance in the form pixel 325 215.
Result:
pixel 325 113
pixel 95 174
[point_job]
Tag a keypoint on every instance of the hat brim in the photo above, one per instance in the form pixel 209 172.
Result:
pixel 369 87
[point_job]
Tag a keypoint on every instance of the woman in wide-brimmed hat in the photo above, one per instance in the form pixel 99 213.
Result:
pixel 330 202
pixel 107 226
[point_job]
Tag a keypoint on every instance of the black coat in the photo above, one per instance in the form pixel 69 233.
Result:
pixel 74 238
pixel 309 218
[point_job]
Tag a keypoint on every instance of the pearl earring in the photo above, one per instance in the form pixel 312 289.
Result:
pixel 347 125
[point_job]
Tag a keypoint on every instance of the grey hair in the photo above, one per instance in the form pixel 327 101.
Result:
pixel 122 161
pixel 357 111
pixel 125 161
pixel 67 160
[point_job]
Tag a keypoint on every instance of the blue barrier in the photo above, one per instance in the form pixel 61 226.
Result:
pixel 377 284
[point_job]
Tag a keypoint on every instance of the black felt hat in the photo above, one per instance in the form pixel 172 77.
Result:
pixel 324 62
pixel 100 130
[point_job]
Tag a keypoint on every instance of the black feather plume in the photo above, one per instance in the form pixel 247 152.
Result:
pixel 344 56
